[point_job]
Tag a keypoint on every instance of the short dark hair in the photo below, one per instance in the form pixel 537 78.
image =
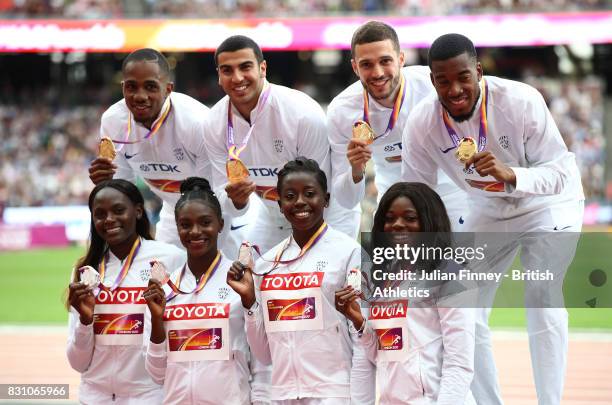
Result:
pixel 302 165
pixel 450 45
pixel 374 31
pixel 148 55
pixel 236 43
pixel 198 188
pixel 428 204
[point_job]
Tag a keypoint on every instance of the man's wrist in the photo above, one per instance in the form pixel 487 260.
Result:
pixel 358 175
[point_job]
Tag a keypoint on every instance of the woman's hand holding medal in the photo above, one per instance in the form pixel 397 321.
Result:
pixel 346 303
pixel 81 298
pixel 240 278
pixel 486 164
pixel 156 299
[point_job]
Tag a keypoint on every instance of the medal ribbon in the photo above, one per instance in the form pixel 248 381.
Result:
pixel 124 270
pixel 397 106
pixel 277 259
pixel 234 150
pixel 154 129
pixel 203 280
pixel 484 127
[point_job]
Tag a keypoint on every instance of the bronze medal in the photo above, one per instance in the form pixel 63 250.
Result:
pixel 363 131
pixel 106 149
pixel 466 149
pixel 236 170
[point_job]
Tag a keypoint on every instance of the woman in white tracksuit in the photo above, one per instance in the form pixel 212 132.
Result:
pixel 291 321
pixel 423 349
pixel 198 348
pixel 107 338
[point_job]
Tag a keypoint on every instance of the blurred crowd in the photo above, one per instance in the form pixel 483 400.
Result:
pixel 277 8
pixel 45 151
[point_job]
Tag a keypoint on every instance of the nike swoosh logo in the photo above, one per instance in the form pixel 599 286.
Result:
pixel 557 229
pixel 130 156
pixel 233 228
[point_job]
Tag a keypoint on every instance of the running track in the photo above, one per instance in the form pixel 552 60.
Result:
pixel 37 355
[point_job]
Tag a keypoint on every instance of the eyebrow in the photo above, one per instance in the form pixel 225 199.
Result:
pixel 242 64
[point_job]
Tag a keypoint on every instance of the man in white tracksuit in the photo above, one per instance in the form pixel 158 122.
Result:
pixel 270 125
pixel 384 96
pixel 520 178
pixel 158 136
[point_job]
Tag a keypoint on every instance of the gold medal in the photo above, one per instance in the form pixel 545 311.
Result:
pixel 236 170
pixel 106 149
pixel 466 149
pixel 363 131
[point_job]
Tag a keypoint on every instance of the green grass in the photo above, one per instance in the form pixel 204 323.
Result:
pixel 33 284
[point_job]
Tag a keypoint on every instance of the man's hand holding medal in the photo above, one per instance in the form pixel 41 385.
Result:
pixel 239 186
pixel 103 168
pixel 486 164
pixel 358 151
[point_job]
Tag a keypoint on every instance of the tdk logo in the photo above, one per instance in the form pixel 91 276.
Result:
pixel 264 171
pixel 159 167
pixel 394 146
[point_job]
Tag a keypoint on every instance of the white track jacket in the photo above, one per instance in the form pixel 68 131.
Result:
pixel 112 365
pixel 295 327
pixel 164 160
pixel 205 358
pixel 291 124
pixel 347 107
pixel 424 355
pixel 521 133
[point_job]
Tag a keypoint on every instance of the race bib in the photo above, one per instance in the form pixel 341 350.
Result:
pixel 388 319
pixel 119 316
pixel 292 301
pixel 197 331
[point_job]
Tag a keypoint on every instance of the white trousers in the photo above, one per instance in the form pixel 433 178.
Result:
pixel 547 327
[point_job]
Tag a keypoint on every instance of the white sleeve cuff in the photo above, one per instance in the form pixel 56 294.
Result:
pixel 522 184
pixel 157 349
pixel 82 329
pixel 252 312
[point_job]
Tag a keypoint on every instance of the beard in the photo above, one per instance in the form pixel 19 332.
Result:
pixel 463 117
pixel 394 86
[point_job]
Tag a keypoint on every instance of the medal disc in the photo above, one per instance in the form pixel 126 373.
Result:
pixel 159 272
pixel 89 276
pixel 106 149
pixel 245 255
pixel 353 279
pixel 466 149
pixel 363 131
pixel 236 170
